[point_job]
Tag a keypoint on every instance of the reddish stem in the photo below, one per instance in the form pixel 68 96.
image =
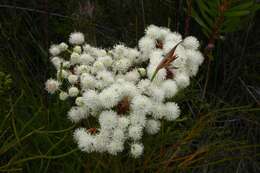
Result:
pixel 187 19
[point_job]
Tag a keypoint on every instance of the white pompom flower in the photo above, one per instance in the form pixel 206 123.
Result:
pixel 141 104
pixel 52 85
pixel 73 91
pixel 170 88
pixel 74 58
pixel 86 59
pixel 85 140
pixel 77 49
pixel 108 120
pixel 137 150
pixel 76 38
pixel 115 147
pixel 56 61
pixel 191 43
pixel 172 111
pixel 182 80
pixel 54 50
pixel 76 114
pixel 72 78
pixel 63 95
pixel 63 46
pixel 135 132
pixel 152 126
pixel 123 122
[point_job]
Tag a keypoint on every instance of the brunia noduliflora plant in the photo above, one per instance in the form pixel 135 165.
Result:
pixel 123 88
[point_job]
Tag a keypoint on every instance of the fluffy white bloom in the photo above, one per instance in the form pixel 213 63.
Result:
pixel 86 142
pixel 118 135
pixel 72 78
pixel 128 90
pixel 152 126
pixel 66 64
pixel 172 111
pixel 76 38
pixel 86 59
pixel 56 61
pixel 77 113
pixel 158 110
pixel 123 122
pixel 79 101
pixel 63 95
pixel 109 97
pixel 146 44
pixel 98 66
pixel 108 120
pixel 74 58
pixel 137 150
pixel 170 88
pixel 153 32
pixel 62 74
pixel 106 60
pixel 54 50
pixel 102 140
pixel 133 55
pixel 144 85
pixel 182 80
pixel 192 69
pixel 122 65
pixel 194 57
pixel 135 132
pixel 77 49
pixel 156 93
pixel 118 51
pixel 132 76
pixel 52 85
pixel 91 99
pixel 63 46
pixel 73 91
pixel 173 37
pixel 99 52
pixel 137 119
pixel 105 77
pixel 141 104
pixel 80 69
pixel 115 147
pixel 191 43
pixel 87 81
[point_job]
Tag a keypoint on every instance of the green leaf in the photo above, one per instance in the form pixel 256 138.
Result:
pixel 243 6
pixel 256 8
pixel 213 6
pixel 205 32
pixel 231 25
pixel 204 10
pixel 236 13
pixel 198 19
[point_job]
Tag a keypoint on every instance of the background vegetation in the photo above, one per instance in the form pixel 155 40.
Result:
pixel 219 129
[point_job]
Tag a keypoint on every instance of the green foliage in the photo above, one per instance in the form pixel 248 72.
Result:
pixel 223 16
pixel 5 83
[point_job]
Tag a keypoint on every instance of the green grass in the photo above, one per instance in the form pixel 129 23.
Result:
pixel 217 133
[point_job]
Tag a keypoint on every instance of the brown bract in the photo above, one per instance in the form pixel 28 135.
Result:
pixel 92 130
pixel 165 63
pixel 123 106
pixel 159 44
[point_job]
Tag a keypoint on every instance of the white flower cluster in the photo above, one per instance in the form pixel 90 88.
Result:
pixel 115 87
